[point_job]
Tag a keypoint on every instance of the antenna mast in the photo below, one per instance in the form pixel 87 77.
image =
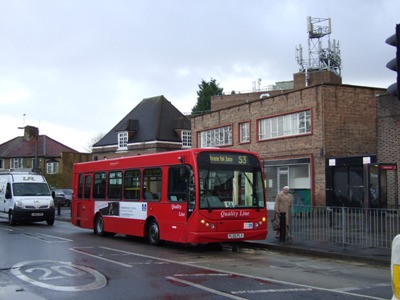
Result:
pixel 319 58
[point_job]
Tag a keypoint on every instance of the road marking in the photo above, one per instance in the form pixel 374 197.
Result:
pixel 202 274
pixel 357 288
pixel 265 291
pixel 202 287
pixel 58 275
pixel 99 257
pixel 42 237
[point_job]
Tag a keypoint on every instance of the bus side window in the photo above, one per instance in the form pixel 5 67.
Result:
pixel 80 185
pixel 115 185
pixel 152 183
pixel 132 185
pixel 99 185
pixel 178 183
pixel 88 183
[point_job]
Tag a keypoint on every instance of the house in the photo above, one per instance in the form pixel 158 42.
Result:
pixel 42 153
pixel 316 137
pixel 154 125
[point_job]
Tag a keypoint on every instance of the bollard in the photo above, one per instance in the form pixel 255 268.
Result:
pixel 59 208
pixel 282 229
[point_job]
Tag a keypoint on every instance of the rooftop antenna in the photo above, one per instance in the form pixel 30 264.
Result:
pixel 319 58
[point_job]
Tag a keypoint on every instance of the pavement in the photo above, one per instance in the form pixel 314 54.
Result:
pixel 380 256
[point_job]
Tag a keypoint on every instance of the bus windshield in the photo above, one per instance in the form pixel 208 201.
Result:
pixel 230 181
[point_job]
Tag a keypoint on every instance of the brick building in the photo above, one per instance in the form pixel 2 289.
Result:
pixel 315 137
pixel 50 157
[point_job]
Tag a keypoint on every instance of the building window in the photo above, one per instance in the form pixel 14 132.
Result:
pixel 215 137
pixel 52 167
pixel 285 125
pixel 123 140
pixel 16 163
pixel 33 163
pixel 1 164
pixel 295 174
pixel 244 132
pixel 186 138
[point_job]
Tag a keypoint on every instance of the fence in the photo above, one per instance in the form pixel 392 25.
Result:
pixel 348 226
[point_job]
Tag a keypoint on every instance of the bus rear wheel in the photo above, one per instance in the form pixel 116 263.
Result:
pixel 99 226
pixel 153 233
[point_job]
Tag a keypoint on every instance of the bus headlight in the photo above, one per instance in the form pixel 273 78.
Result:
pixel 207 224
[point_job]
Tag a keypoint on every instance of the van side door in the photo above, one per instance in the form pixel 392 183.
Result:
pixel 2 197
pixel 5 197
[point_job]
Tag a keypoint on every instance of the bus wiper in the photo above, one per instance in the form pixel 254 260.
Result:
pixel 208 204
pixel 206 190
pixel 258 204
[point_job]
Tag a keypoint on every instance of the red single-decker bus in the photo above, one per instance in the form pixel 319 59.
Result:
pixel 188 196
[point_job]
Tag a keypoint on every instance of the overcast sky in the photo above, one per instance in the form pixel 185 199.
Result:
pixel 75 68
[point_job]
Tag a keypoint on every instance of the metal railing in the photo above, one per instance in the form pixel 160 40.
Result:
pixel 345 225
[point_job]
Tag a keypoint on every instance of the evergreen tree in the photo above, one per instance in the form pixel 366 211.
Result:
pixel 206 90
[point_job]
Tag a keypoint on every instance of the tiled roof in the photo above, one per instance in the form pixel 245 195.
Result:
pixel 19 147
pixel 153 119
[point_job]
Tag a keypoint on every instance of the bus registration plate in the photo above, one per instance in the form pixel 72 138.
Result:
pixel 37 214
pixel 235 235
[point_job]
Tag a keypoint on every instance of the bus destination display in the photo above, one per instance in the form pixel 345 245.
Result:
pixel 229 159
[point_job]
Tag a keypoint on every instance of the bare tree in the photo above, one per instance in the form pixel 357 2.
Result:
pixel 93 141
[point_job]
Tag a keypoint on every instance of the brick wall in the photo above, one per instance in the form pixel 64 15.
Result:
pixel 388 135
pixel 349 120
pixel 315 78
pixel 224 101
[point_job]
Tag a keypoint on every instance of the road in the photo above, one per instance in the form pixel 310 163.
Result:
pixel 63 261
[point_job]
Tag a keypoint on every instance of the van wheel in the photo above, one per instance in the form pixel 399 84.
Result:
pixel 50 221
pixel 11 220
pixel 99 226
pixel 153 233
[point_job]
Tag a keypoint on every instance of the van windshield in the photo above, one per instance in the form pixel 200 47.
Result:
pixel 30 189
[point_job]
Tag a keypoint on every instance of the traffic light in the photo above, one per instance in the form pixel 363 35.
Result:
pixel 394 64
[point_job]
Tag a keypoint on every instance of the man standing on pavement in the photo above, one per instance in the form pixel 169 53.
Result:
pixel 283 203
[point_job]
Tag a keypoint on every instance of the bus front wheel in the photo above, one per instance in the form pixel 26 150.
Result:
pixel 99 226
pixel 153 233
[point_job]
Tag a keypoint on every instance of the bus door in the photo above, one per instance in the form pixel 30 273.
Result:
pixel 84 214
pixel 180 198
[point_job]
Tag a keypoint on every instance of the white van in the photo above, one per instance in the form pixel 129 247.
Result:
pixel 25 197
